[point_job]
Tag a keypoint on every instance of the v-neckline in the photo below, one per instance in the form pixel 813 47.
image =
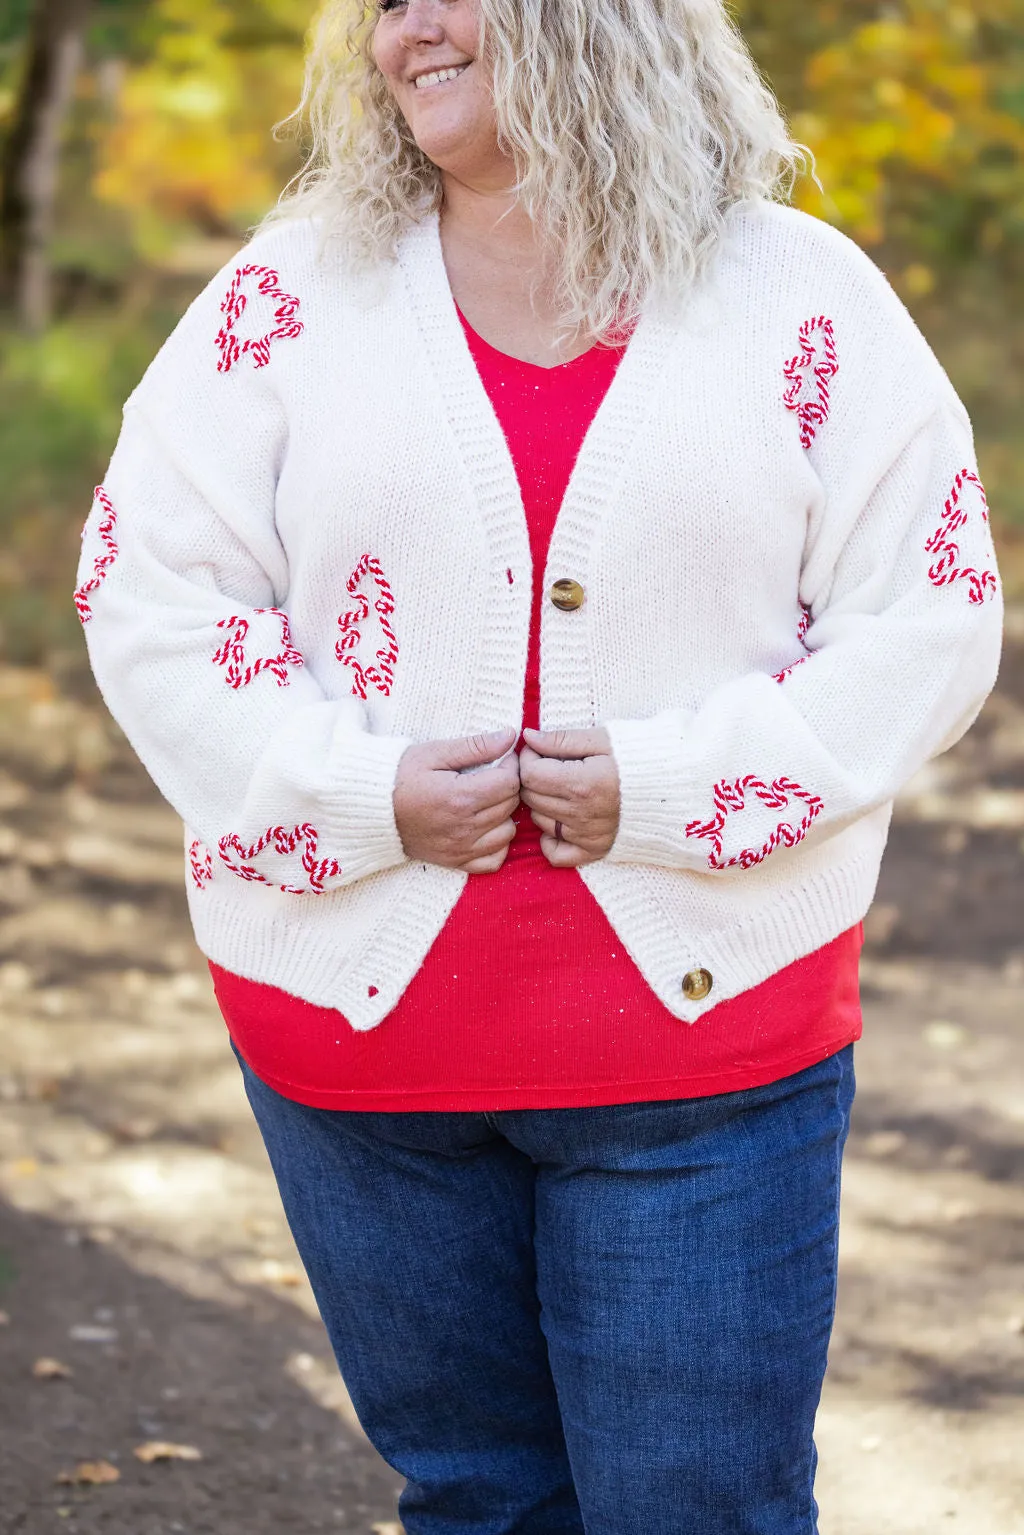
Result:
pixel 530 368
pixel 602 462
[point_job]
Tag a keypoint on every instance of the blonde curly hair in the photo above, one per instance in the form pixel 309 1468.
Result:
pixel 634 125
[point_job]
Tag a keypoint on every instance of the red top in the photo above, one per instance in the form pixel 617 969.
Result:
pixel 528 998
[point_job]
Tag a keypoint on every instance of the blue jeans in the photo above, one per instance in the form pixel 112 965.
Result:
pixel 610 1320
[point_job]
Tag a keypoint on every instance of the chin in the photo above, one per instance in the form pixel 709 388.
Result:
pixel 447 146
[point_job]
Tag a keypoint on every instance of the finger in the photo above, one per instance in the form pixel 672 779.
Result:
pixel 468 752
pixel 549 775
pixel 489 865
pixel 476 793
pixel 547 825
pixel 493 841
pixel 565 855
pixel 551 805
pixel 493 815
pixel 569 744
pixel 594 843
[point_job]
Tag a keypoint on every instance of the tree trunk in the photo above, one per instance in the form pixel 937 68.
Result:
pixel 30 160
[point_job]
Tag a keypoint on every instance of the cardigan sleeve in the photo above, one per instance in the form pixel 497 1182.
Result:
pixel 902 650
pixel 179 594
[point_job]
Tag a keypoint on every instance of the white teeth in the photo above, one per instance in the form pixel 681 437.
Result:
pixel 438 77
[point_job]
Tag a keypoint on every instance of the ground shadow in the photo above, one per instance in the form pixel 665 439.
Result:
pixel 180 1369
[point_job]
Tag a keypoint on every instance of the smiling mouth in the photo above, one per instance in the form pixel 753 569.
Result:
pixel 439 77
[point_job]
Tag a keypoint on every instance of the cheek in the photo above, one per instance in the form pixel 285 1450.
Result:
pixel 385 53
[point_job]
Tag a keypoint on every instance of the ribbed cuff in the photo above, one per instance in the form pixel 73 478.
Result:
pixel 650 756
pixel 360 813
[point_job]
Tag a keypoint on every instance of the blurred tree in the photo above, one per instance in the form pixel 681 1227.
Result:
pixel 29 166
pixel 188 146
pixel 915 113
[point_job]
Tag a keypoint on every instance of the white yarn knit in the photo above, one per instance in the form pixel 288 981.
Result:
pixel 320 446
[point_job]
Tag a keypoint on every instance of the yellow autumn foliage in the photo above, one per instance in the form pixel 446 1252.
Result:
pixel 190 142
pixel 910 94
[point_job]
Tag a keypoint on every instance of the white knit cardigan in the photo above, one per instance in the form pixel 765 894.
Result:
pixel 310 550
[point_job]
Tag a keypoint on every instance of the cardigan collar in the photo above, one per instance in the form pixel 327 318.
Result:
pixel 603 463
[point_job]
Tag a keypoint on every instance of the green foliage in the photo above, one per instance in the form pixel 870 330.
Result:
pixel 60 408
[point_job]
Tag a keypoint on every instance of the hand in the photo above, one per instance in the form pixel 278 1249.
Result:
pixel 570 782
pixel 458 819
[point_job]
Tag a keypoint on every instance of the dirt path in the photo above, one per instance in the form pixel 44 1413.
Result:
pixel 142 1246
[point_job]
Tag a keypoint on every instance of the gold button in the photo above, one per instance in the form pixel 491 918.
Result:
pixel 697 985
pixel 567 595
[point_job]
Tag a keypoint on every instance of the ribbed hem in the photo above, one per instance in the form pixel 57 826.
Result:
pixel 388 920
pixel 670 924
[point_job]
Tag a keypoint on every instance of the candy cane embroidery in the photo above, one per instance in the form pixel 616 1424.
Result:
pixel 381 676
pixel 283 843
pixel 240 671
pixel 286 327
pixel 730 798
pixel 801 634
pixel 812 414
pixel 947 568
pixel 102 563
pixel 201 863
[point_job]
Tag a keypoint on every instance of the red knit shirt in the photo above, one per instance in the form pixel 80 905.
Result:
pixel 528 998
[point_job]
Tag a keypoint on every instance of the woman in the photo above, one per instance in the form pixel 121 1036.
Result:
pixel 532 408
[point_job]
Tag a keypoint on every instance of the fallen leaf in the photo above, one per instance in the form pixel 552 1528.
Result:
pixel 51 1369
pixel 89 1473
pixel 387 1529
pixel 158 1449
pixel 281 1274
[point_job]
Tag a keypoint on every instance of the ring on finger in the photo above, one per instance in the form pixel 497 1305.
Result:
pixel 558 832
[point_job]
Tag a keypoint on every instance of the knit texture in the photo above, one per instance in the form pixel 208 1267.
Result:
pixel 310 550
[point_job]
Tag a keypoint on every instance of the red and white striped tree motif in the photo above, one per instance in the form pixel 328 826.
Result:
pixel 817 359
pixel 382 675
pixel 947 568
pixel 102 563
pixel 284 843
pixel 285 326
pixel 240 670
pixel 201 863
pixel 731 799
pixel 801 634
